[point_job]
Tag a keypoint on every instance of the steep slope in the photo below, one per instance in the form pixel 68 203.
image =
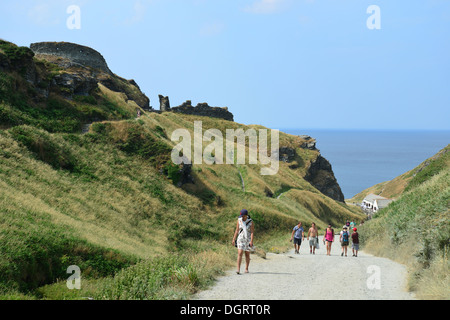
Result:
pixel 414 229
pixel 58 95
pixel 407 181
pixel 112 198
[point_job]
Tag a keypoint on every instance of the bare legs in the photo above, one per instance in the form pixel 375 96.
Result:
pixel 344 250
pixel 239 260
pixel 328 244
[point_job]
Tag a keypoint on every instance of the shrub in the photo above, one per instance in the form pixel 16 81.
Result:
pixel 150 280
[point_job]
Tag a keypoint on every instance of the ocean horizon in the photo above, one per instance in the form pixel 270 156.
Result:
pixel 363 158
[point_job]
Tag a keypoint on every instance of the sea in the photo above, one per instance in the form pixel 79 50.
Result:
pixel 361 159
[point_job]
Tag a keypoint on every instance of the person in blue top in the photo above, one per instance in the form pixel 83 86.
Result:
pixel 298 235
pixel 345 239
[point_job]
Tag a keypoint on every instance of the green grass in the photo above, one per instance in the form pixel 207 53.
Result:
pixel 414 230
pixel 430 168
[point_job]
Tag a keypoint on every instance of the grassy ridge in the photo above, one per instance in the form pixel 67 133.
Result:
pixel 415 230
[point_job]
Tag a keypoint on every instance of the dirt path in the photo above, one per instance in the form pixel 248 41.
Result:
pixel 305 276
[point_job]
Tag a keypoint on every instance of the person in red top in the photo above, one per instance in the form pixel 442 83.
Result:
pixel 355 242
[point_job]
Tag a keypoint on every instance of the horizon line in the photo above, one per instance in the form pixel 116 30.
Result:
pixel 367 129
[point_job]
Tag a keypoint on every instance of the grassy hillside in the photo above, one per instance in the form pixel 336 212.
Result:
pixel 110 202
pixel 415 228
pixel 407 181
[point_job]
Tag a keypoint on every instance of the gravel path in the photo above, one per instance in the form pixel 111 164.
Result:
pixel 305 276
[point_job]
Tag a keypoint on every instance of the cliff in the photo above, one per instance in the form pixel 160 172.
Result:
pixel 320 175
pixel 74 54
pixel 59 86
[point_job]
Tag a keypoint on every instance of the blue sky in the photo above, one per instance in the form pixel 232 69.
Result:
pixel 279 63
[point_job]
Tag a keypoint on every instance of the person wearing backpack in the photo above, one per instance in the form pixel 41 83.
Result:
pixel 344 239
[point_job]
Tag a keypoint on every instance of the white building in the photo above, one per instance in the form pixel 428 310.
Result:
pixel 381 203
pixel 373 202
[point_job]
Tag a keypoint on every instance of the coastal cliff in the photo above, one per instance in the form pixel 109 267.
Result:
pixel 320 175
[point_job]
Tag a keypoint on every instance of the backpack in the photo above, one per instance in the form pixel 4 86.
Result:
pixel 345 236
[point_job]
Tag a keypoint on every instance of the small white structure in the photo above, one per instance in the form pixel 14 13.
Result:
pixel 373 202
pixel 380 204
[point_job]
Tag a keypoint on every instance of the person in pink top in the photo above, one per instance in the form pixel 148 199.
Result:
pixel 328 238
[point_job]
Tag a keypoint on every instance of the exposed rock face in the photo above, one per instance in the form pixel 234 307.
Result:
pixel 310 143
pixel 321 176
pixel 74 83
pixel 164 104
pixel 287 154
pixel 83 69
pixel 74 53
pixel 203 109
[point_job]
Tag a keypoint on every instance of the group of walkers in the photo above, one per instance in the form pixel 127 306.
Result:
pixel 243 238
pixel 348 231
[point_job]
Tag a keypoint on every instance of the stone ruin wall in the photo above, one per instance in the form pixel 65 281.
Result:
pixel 73 52
pixel 202 109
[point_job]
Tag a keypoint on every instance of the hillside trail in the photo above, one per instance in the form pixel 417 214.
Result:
pixel 305 276
pixel 87 126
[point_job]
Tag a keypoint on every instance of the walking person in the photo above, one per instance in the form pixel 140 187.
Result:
pixel 328 238
pixel 313 233
pixel 298 234
pixel 344 238
pixel 355 242
pixel 243 239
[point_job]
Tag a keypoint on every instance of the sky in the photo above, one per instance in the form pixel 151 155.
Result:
pixel 312 64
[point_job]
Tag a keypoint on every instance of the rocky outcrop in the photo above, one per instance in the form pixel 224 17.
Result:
pixel 82 68
pixel 74 84
pixel 203 109
pixel 74 53
pixel 321 176
pixel 309 143
pixel 286 154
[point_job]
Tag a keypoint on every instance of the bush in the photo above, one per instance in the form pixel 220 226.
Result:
pixel 153 280
pixel 15 53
